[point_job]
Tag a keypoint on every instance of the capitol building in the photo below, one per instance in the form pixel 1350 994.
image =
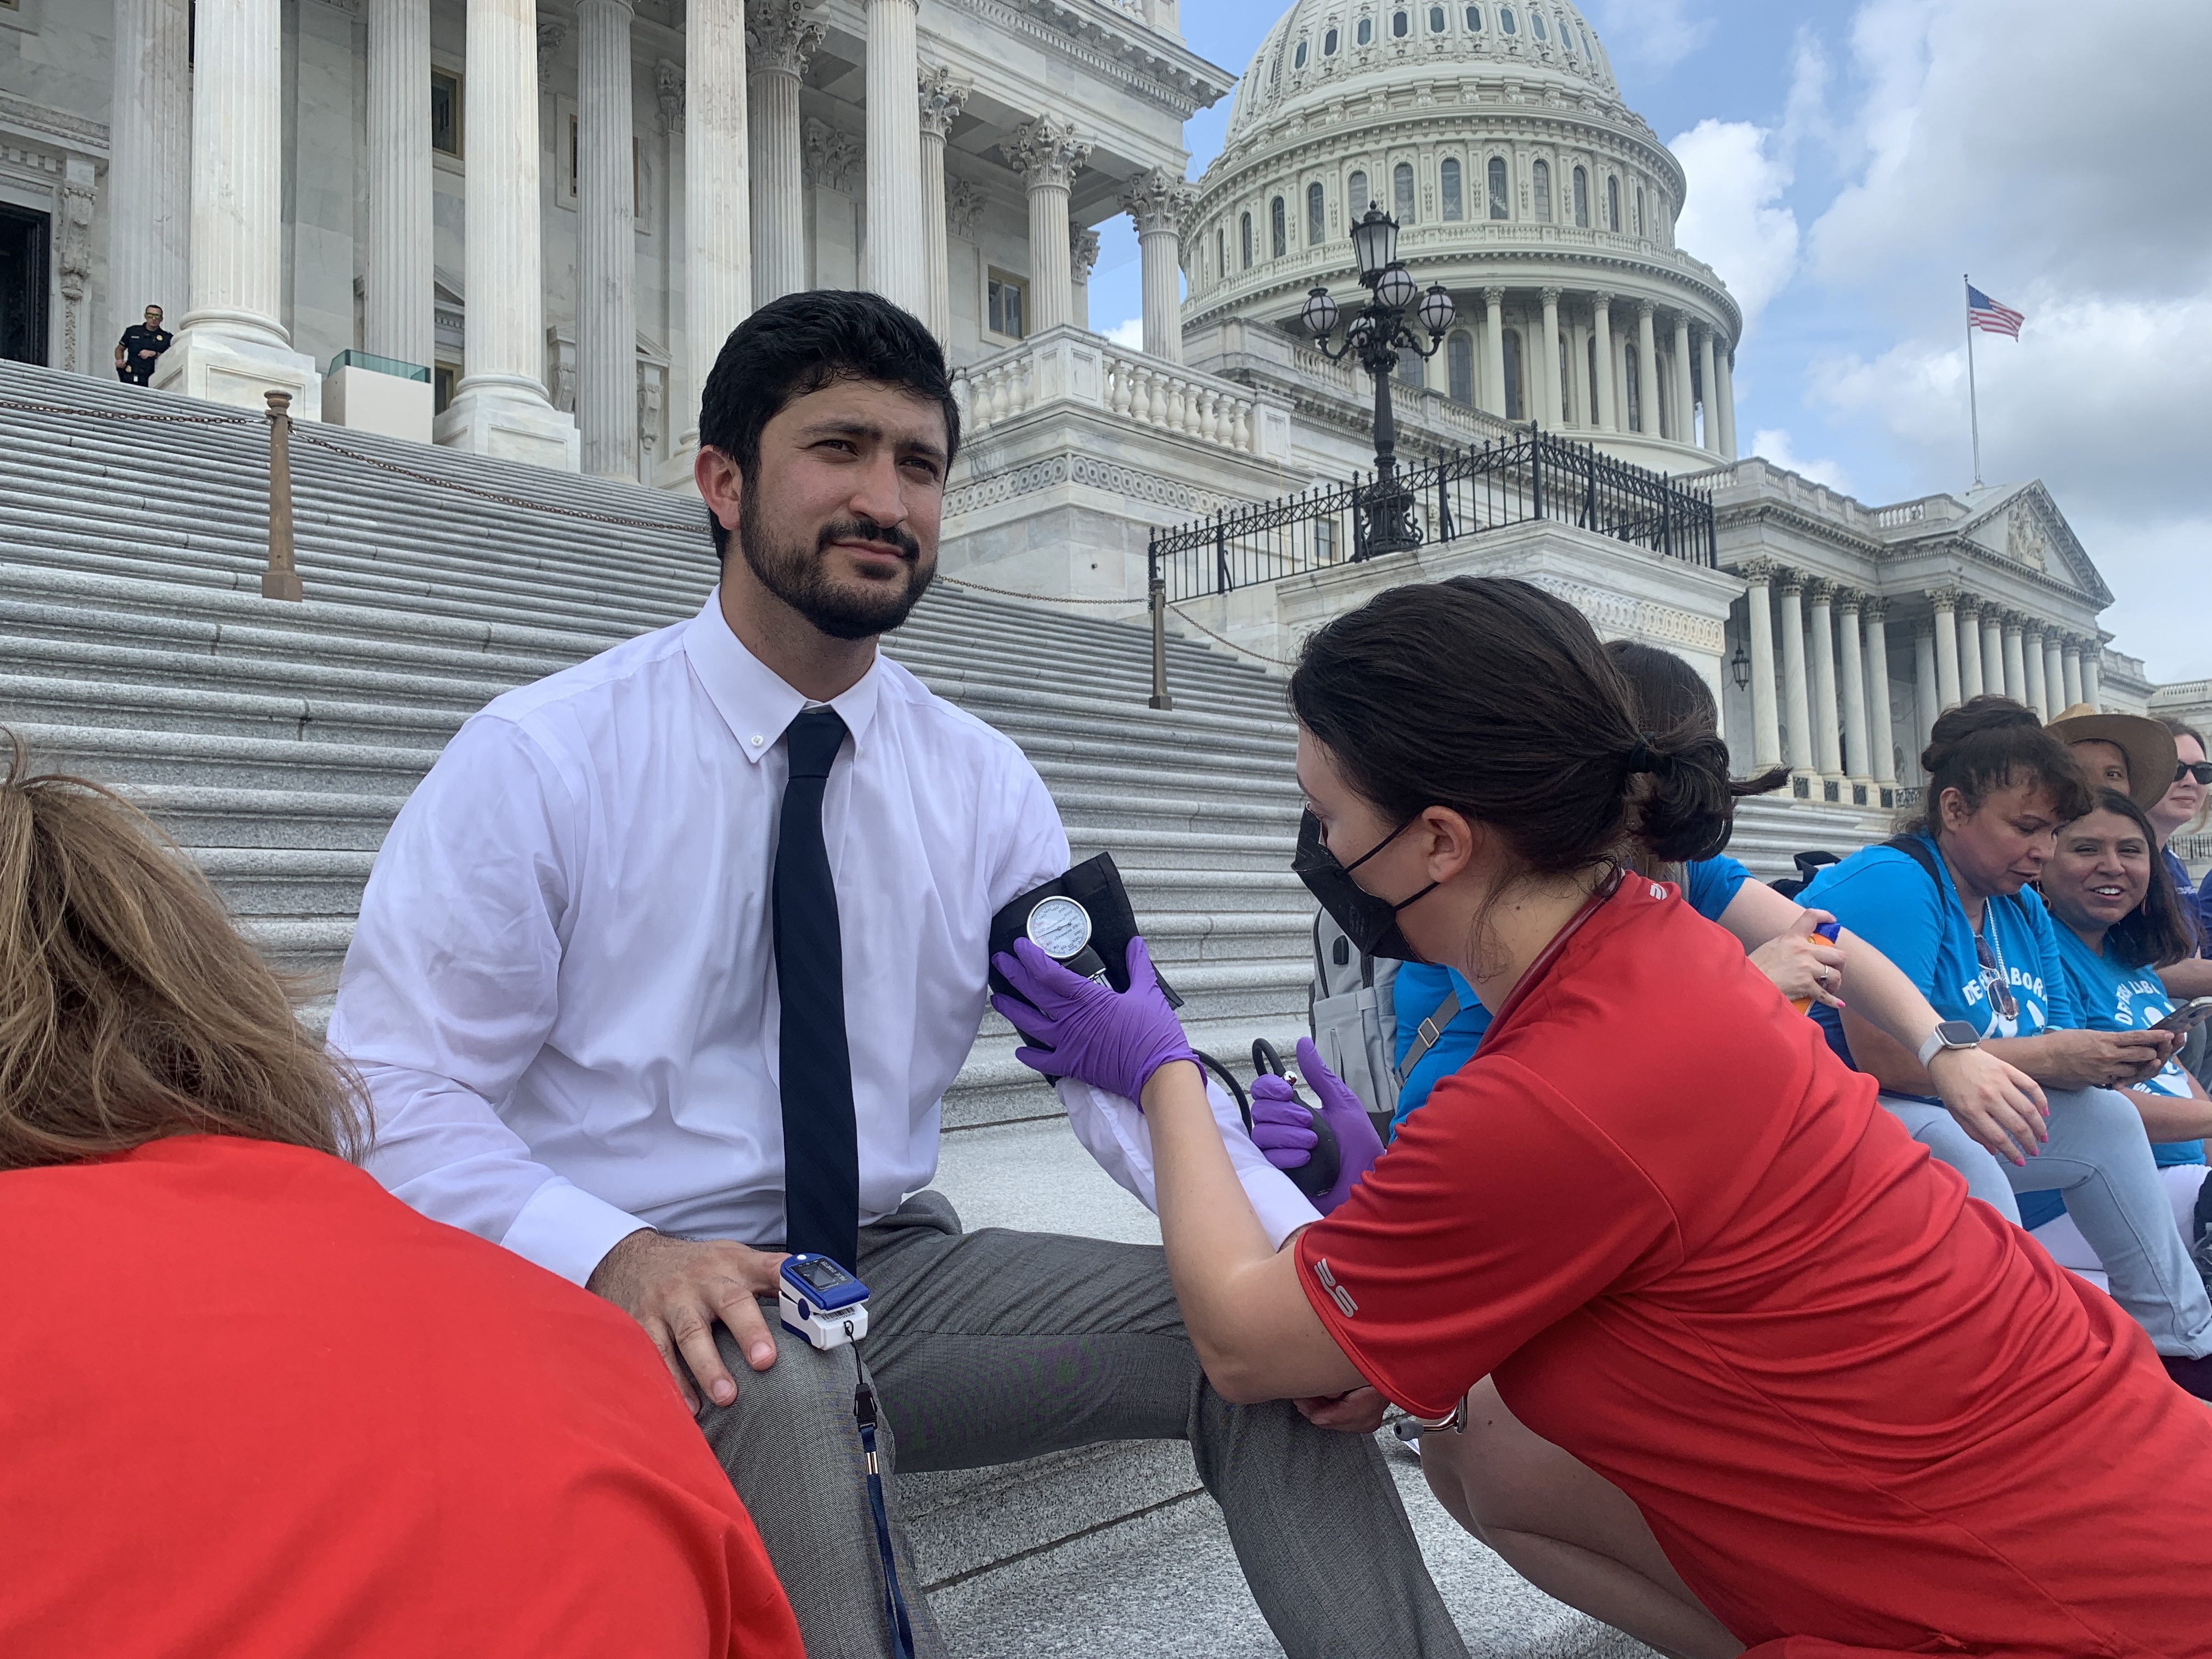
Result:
pixel 522 229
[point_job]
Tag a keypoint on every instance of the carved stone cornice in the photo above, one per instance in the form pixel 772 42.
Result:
pixel 1493 297
pixel 1876 607
pixel 829 156
pixel 552 32
pixel 1158 201
pixel 1848 600
pixel 780 38
pixel 1760 573
pixel 668 86
pixel 68 132
pixel 965 202
pixel 1788 583
pixel 1819 590
pixel 1046 152
pixel 942 99
pixel 1103 41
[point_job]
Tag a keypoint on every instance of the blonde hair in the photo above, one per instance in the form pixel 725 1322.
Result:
pixel 129 1007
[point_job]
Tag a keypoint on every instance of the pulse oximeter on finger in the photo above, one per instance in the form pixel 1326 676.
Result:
pixel 820 1303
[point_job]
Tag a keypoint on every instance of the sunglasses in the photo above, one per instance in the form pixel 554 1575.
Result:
pixel 2200 770
pixel 1993 981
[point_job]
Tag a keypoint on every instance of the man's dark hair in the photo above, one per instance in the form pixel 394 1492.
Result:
pixel 2155 933
pixel 801 343
pixel 1991 742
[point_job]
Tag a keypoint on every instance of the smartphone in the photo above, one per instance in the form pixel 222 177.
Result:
pixel 2188 1016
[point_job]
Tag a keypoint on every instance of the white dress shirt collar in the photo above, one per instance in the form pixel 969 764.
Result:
pixel 755 701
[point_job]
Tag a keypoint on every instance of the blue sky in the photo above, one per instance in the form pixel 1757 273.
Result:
pixel 1847 162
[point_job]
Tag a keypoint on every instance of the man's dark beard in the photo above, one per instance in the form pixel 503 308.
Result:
pixel 798 577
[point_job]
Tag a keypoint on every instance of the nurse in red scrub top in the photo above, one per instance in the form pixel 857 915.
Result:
pixel 254 1406
pixel 1851 1412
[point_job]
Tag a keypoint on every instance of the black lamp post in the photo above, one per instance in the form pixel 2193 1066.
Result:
pixel 1377 332
pixel 1740 667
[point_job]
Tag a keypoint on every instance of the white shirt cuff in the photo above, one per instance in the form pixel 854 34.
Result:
pixel 565 1229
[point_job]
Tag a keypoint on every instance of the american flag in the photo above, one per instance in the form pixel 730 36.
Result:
pixel 1986 314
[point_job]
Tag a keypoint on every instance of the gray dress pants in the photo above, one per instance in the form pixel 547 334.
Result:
pixel 991 1347
pixel 2099 1157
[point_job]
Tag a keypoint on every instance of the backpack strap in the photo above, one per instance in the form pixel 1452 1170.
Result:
pixel 1916 849
pixel 1432 1030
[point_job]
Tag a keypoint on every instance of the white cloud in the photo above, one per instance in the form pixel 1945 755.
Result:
pixel 1732 215
pixel 1772 444
pixel 1129 334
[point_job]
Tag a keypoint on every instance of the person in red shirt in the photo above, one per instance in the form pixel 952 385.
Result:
pixel 254 1406
pixel 1854 1412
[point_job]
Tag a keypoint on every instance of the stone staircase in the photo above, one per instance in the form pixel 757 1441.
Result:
pixel 275 742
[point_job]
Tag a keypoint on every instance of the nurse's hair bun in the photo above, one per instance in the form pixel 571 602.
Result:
pixel 1493 697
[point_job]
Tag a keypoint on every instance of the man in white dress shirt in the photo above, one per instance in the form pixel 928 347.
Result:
pixel 565 995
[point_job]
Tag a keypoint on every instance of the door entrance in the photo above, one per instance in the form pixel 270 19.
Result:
pixel 23 276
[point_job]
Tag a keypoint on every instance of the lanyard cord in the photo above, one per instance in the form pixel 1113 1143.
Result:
pixel 864 1415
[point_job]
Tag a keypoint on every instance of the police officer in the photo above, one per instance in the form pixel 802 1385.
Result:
pixel 141 348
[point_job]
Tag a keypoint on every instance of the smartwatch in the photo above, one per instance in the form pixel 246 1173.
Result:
pixel 1949 1034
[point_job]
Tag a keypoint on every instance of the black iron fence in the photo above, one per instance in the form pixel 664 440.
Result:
pixel 1462 494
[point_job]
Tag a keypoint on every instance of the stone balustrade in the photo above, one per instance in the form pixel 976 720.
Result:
pixel 1068 365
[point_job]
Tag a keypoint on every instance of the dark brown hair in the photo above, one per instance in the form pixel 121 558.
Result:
pixel 130 1008
pixel 2154 934
pixel 1991 742
pixel 1490 696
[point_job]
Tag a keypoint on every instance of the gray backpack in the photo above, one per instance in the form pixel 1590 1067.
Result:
pixel 1355 1022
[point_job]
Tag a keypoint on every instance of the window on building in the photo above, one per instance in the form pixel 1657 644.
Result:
pixel 1454 200
pixel 1357 201
pixel 1244 230
pixel 1498 203
pixel 1366 30
pixel 1299 60
pixel 1328 44
pixel 1613 204
pixel 1581 197
pixel 1459 362
pixel 1514 402
pixel 1567 40
pixel 1536 25
pixel 1506 23
pixel 1400 24
pixel 1629 378
pixel 1316 216
pixel 1588 51
pixel 1402 190
pixel 1590 418
pixel 1436 20
pixel 446 113
pixel 1221 252
pixel 1410 366
pixel 1006 299
pixel 1325 541
pixel 1540 181
pixel 445 381
pixel 1474 20
pixel 1566 382
pixel 1279 229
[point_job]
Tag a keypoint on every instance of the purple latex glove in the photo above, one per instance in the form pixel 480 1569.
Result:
pixel 1282 1129
pixel 1110 1039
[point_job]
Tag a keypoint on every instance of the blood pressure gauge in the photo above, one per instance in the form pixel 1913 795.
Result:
pixel 1059 927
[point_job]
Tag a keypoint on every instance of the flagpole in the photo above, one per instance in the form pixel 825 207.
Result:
pixel 1973 398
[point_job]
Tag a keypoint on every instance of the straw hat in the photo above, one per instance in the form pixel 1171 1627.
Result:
pixel 2146 743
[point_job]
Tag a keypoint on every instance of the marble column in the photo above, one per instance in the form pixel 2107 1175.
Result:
pixel 1949 682
pixel 1927 693
pixel 1765 730
pixel 1880 736
pixel 1993 659
pixel 1796 700
pixel 1493 332
pixel 892 261
pixel 1971 678
pixel 1082 256
pixel 1708 379
pixel 231 346
pixel 1601 323
pixel 2070 659
pixel 149 168
pixel 606 239
pixel 941 100
pixel 1647 374
pixel 1850 663
pixel 1048 154
pixel 1686 407
pixel 2016 658
pixel 1159 203
pixel 501 407
pixel 1724 362
pixel 1554 392
pixel 2093 680
pixel 780 39
pixel 399 305
pixel 718 257
pixel 1821 630
pixel 2054 674
pixel 2032 660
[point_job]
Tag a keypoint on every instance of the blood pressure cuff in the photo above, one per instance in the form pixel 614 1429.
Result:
pixel 1096 885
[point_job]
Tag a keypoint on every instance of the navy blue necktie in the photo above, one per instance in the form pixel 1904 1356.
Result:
pixel 821 1145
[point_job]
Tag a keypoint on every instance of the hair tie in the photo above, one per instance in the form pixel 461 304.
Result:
pixel 1643 758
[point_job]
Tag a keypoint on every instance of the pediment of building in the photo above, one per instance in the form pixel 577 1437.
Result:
pixel 2021 526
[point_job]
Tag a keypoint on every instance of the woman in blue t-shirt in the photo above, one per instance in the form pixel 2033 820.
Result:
pixel 1949 905
pixel 2118 921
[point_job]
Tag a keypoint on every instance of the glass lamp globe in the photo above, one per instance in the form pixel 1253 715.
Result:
pixel 1362 330
pixel 1436 309
pixel 1374 241
pixel 1395 288
pixel 1320 313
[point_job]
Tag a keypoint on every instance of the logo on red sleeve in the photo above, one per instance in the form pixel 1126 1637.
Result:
pixel 1337 1292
